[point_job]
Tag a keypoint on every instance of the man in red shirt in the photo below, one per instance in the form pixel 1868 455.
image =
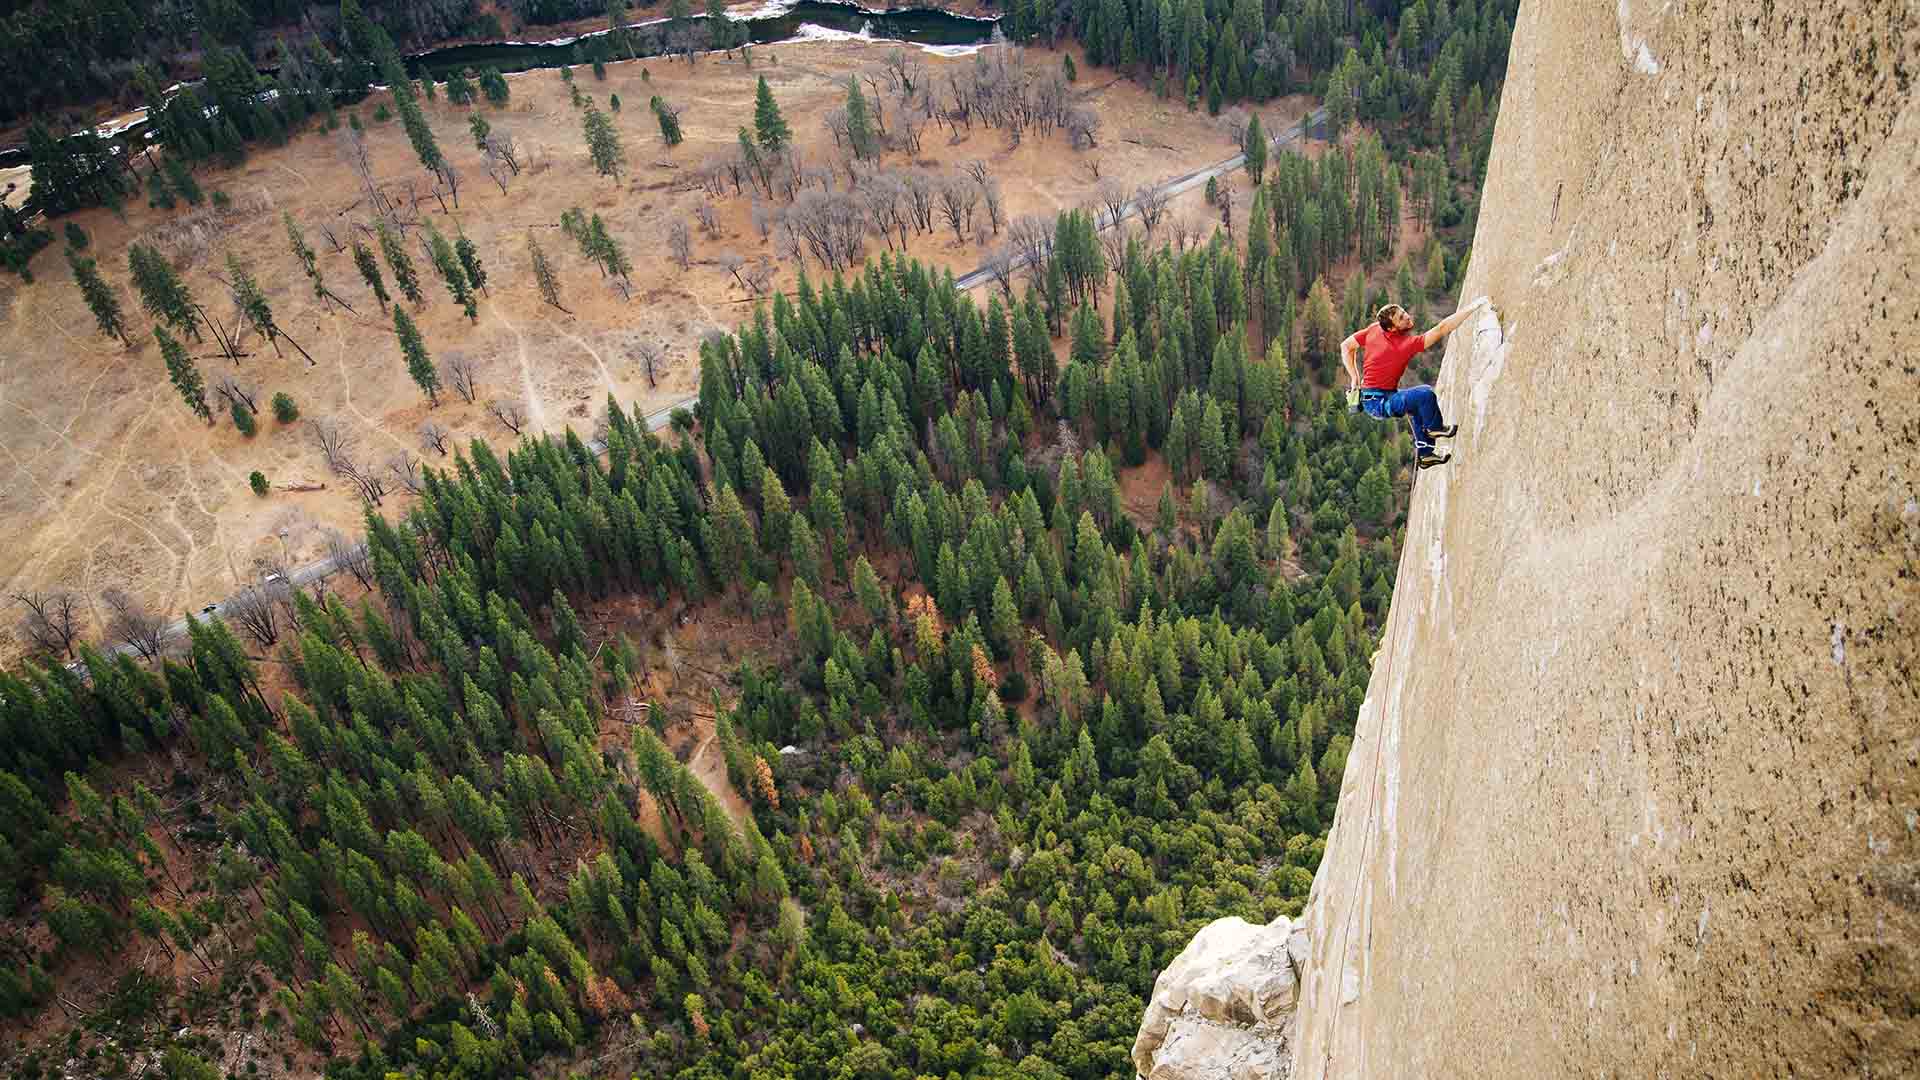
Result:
pixel 1390 344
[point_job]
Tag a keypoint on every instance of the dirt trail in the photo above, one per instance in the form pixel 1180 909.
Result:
pixel 536 408
pixel 709 766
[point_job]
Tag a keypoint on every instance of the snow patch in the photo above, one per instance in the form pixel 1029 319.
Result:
pixel 810 32
pixel 1840 644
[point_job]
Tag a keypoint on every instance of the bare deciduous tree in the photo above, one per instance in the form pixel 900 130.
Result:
pixel 350 556
pixel 334 442
pixel 762 219
pixel 886 200
pixel 921 189
pixel 434 437
pixel 509 413
pixel 254 610
pixel 367 480
pixel 709 219
pixel 1225 202
pixel 406 471
pixel 238 393
pixel 1185 231
pixel 760 276
pixel 1083 128
pixel 1151 201
pixel 958 197
pixel 131 624
pixel 1031 238
pixel 680 243
pixel 828 226
pixel 1113 241
pixel 649 353
pixel 462 374
pixel 52 622
pixel 1112 198
pixel 1000 265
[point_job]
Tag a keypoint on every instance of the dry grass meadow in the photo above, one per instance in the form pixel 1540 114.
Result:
pixel 107 480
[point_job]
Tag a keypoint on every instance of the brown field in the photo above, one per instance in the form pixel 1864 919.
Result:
pixel 106 479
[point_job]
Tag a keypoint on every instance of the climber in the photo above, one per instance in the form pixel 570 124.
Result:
pixel 1391 343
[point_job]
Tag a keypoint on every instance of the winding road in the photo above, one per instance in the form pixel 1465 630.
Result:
pixel 320 569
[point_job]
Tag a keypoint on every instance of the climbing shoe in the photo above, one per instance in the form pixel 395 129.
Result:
pixel 1447 432
pixel 1429 460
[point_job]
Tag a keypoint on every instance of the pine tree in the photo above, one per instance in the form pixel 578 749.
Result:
pixel 184 374
pixel 419 365
pixel 769 126
pixel 1256 144
pixel 470 262
pixel 370 272
pixel 100 298
pixel 1318 333
pixel 255 309
pixel 861 138
pixel 1374 498
pixel 161 292
pixel 404 276
pixel 451 272
pixel 543 273
pixel 669 118
pixel 494 86
pixel 603 142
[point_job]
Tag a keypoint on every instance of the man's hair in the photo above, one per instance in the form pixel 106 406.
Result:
pixel 1386 315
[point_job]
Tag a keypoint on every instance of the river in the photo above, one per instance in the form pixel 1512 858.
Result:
pixel 934 30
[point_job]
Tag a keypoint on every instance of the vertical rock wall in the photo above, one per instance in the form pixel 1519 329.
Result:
pixel 1636 790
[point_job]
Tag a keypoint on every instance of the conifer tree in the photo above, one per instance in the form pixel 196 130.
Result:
pixel 861 138
pixel 161 292
pixel 768 125
pixel 414 351
pixel 669 118
pixel 404 276
pixel 470 262
pixel 255 309
pixel 100 298
pixel 451 272
pixel 184 374
pixel 370 272
pixel 603 142
pixel 543 274
pixel 1256 144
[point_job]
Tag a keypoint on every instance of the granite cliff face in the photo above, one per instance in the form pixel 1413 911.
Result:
pixel 1636 789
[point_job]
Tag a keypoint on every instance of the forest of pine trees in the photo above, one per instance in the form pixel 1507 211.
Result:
pixel 1090 733
pixel 1044 733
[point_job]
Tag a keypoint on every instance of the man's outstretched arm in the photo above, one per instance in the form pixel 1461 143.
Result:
pixel 1347 350
pixel 1451 323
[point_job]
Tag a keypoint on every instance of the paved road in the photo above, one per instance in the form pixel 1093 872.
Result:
pixel 659 418
pixel 1176 186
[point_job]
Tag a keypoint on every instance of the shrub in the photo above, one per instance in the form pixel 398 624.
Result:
pixel 243 419
pixel 258 481
pixel 220 200
pixel 382 114
pixel 284 410
pixel 76 236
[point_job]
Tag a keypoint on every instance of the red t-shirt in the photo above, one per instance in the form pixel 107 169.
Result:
pixel 1387 356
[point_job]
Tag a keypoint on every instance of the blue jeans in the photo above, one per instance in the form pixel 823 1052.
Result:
pixel 1417 403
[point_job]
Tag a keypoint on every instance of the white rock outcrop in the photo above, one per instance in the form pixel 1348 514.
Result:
pixel 1223 1010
